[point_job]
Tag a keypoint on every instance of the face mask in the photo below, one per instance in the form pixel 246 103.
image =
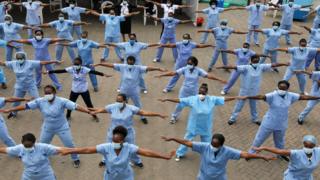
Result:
pixel 8 22
pixel 21 61
pixel 112 16
pixel 275 27
pixel 116 145
pixel 38 38
pixel 72 6
pixel 189 66
pixel 258 5
pixel 202 97
pixel 307 150
pixel 84 40
pixel 214 149
pixel 223 26
pixel 302 48
pixel 125 3
pixel 132 41
pixel 48 97
pixel 213 6
pixel 290 4
pixel 61 19
pixel 78 67
pixel 168 4
pixel 255 65
pixel 185 41
pixel 29 150
pixel 170 18
pixel 245 49
pixel 281 92
pixel 30 1
pixel 120 104
pixel 130 66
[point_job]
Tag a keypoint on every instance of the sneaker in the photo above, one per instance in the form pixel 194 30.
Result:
pixel 139 165
pixel 12 115
pixel 209 69
pixel 155 60
pixel 300 121
pixel 102 164
pixel 145 92
pixel 223 93
pixel 95 118
pixel 276 70
pixel 76 163
pixel 95 89
pixel 305 93
pixel 4 86
pixel 144 120
pixel 257 123
pixel 118 90
pixel 231 122
pixel 165 91
pixel 177 158
pixel 173 120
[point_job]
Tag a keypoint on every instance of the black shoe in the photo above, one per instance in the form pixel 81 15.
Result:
pixel 209 69
pixel 12 115
pixel 76 163
pixel 231 122
pixel 95 118
pixel 300 122
pixel 285 158
pixel 144 120
pixel 139 165
pixel 258 123
pixel 102 164
pixel 258 45
pixel 276 70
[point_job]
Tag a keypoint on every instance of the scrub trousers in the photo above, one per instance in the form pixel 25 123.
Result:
pixel 4 134
pixel 184 92
pixel 238 107
pixel 316 57
pixel 85 96
pixel 52 76
pixel 216 54
pixel 255 34
pixel 173 81
pixel 106 50
pixel 30 31
pixel 59 51
pixel 38 175
pixel 3 78
pixel 77 30
pixel 308 109
pixel 300 77
pixel 182 150
pixel 21 92
pixel 92 77
pixel 273 55
pixel 287 36
pixel 233 78
pixel 9 50
pixel 165 40
pixel 204 37
pixel 135 97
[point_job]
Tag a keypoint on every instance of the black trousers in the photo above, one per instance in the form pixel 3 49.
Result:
pixel 85 96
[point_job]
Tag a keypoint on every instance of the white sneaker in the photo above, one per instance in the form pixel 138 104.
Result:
pixel 118 90
pixel 165 91
pixel 305 93
pixel 145 92
pixel 155 60
pixel 173 120
pixel 223 93
pixel 177 158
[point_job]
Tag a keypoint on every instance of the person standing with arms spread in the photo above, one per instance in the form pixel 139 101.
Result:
pixel 314 43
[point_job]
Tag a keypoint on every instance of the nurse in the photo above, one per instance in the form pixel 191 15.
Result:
pixel 122 115
pixel 112 30
pixel 303 161
pixel 273 36
pixel 184 48
pixel 315 43
pixel 117 154
pixel 249 73
pixel 52 109
pixel 189 87
pixel 214 156
pixel 79 83
pixel 24 70
pixel 11 32
pixel 275 120
pixel 213 17
pixel 32 16
pixel 4 8
pixel 41 53
pixel 221 35
pixel 243 55
pixel 299 56
pixel 63 28
pixel 316 20
pixel 168 7
pixel 169 34
pixel 85 47
pixel 34 156
pixel 3 79
pixel 130 75
pixel 200 121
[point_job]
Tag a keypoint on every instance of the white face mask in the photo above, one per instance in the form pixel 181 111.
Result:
pixel 29 1
pixel 281 92
pixel 258 4
pixel 214 149
pixel 72 5
pixel 189 66
pixel 130 66
pixel 39 38
pixel 308 150
pixel 8 22
pixel 213 6
pixel 245 49
pixel 170 18
pixel 78 67
pixel 48 97
pixel 168 4
pixel 61 19
pixel 29 150
pixel 21 61
pixel 223 26
pixel 255 65
pixel 202 97
pixel 84 40
pixel 185 41
pixel 275 27
pixel 125 3
pixel 290 4
pixel 116 145
pixel 302 48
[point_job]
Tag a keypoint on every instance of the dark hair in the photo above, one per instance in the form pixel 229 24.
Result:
pixel 120 130
pixel 133 34
pixel 276 22
pixel 213 2
pixel 85 32
pixel 254 57
pixel 186 35
pixel 284 82
pixel 246 44
pixel 28 137
pixel 219 137
pixel 204 86
pixel 38 30
pixel 194 60
pixel 78 59
pixel 124 97
pixel 51 87
pixel 303 40
pixel 61 14
pixel 131 58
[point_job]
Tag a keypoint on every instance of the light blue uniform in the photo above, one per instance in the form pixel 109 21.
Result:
pixel 63 29
pixel 315 91
pixel 221 36
pixel 315 43
pixel 74 14
pixel 243 58
pixel 255 20
pixel 117 166
pixel 25 81
pixel 300 167
pixel 54 120
pixel 287 18
pixel 272 42
pixel 123 118
pixel 298 62
pixel 316 21
pixel 85 52
pixel 130 76
pixel 168 35
pixel 213 166
pixel 3 78
pixel 36 163
pixel 3 10
pixel 189 86
pixel 4 134
pixel 275 121
pixel 32 17
pixel 200 121
pixel 112 32
pixel 184 52
pixel 213 20
pixel 11 32
pixel 41 53
pixel 247 88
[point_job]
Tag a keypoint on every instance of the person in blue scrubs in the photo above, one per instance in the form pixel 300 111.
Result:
pixel 189 87
pixel 200 121
pixel 4 8
pixel 34 156
pixel 41 53
pixel 134 48
pixel 122 115
pixel 273 36
pixel 214 156
pixel 169 34
pixel 85 47
pixel 213 17
pixel 3 79
pixel 275 121
pixel 52 109
pixel 130 75
pixel 243 55
pixel 112 30
pixel 32 16
pixel 118 154
pixel 11 32
pixel 24 71
pixel 299 56
pixel 314 42
pixel 221 35
pixel 249 73
pixel 74 13
pixel 184 49
pixel 63 28
pixel 316 20
pixel 303 162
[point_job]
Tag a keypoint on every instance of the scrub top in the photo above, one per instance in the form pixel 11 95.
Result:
pixel 191 77
pixel 222 35
pixel 169 29
pixel 315 38
pixel 243 58
pixel 185 50
pixel 32 17
pixel 2 11
pixel 213 18
pixel 287 13
pixel 299 57
pixel 112 28
pixel 256 14
pixel 74 14
pixel 167 9
pixel 315 89
pixel 133 50
pixel 41 48
pixel 79 79
pixel 273 37
pixel 85 50
pixel 11 32
pixel 63 28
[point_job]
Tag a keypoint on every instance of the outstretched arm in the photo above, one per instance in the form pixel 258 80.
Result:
pixel 82 109
pixel 132 14
pixel 3 150
pixel 46 25
pixel 17 108
pixel 55 40
pixel 282 152
pixel 23 41
pixel 168 45
pixel 95 13
pixel 258 97
pixel 256 30
pixel 166 74
pixel 185 21
pixel 247 155
pixel 154 154
pixel 227 51
pixel 49 62
pixel 156 3
pixel 227 67
pixel 16 99
pixel 293 32
pixel 79 23
pixel 209 76
pixel 84 150
pixel 204 45
pixel 170 100
pixel 109 65
pixel 204 31
pixel 306 28
pixel 146 113
pixel 280 64
pixel 240 32
pixel 149 68
pixel 227 99
pixel 281 49
pixel 303 71
pixel 234 8
pixel 178 140
pixel 304 97
pixel 94 111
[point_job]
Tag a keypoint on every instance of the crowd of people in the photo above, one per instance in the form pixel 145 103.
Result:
pixel 120 151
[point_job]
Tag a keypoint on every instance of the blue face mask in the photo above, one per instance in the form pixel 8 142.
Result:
pixel 112 17
pixel 255 65
pixel 132 41
pixel 84 40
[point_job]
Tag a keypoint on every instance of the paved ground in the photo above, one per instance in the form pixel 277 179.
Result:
pixel 89 133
